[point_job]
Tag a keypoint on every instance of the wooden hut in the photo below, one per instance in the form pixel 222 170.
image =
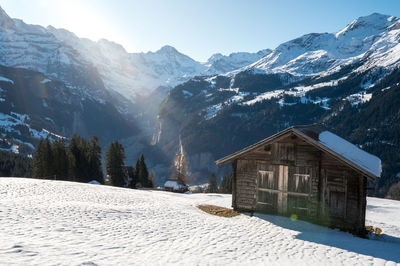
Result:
pixel 305 172
pixel 175 185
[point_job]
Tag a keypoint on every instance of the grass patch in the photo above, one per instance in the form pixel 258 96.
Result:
pixel 217 210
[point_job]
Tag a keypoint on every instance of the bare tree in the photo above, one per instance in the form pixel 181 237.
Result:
pixel 153 178
pixel 179 168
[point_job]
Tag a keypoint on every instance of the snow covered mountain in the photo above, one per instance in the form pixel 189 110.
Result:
pixel 90 73
pixel 348 81
pixel 61 54
pixel 372 40
pixel 219 63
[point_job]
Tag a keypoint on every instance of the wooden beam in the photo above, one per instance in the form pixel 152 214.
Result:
pixel 234 181
pixel 286 192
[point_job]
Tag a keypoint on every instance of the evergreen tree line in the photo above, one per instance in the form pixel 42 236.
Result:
pixel 225 186
pixel 17 165
pixel 79 161
pixel 126 176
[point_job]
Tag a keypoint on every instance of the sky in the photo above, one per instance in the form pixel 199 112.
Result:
pixel 196 28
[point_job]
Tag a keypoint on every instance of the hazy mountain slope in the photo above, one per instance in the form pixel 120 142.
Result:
pixel 61 54
pixel 33 105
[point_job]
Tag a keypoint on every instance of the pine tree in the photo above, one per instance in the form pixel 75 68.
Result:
pixel 143 173
pixel 115 166
pixel 226 184
pixel 38 167
pixel 131 176
pixel 84 158
pixel 48 160
pixel 94 160
pixel 136 170
pixel 75 158
pixel 84 167
pixel 60 159
pixel 43 160
pixel 212 184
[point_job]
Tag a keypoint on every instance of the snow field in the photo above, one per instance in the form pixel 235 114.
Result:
pixel 66 223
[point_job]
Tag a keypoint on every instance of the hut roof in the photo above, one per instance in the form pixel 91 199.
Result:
pixel 350 154
pixel 175 184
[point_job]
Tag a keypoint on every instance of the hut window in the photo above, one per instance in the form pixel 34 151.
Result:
pixel 267 149
pixel 266 179
pixel 299 183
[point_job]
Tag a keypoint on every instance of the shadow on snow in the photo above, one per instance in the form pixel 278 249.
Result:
pixel 384 246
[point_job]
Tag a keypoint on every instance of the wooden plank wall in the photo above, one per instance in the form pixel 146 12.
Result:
pixel 291 152
pixel 246 175
pixel 339 179
pixel 329 178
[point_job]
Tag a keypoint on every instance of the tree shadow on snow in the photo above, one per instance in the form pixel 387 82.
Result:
pixel 384 246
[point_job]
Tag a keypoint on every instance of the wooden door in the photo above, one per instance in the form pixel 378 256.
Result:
pixel 267 183
pixel 335 193
pixel 283 173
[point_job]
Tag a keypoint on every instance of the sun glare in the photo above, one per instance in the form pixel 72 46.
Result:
pixel 85 20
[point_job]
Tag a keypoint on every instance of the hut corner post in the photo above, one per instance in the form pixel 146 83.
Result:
pixel 234 166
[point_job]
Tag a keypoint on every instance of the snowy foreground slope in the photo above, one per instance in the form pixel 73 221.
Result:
pixel 55 222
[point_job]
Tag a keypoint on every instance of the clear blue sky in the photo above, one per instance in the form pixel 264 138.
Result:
pixel 197 28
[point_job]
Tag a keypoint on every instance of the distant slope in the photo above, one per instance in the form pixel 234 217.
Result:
pixel 33 105
pixel 219 63
pixel 48 222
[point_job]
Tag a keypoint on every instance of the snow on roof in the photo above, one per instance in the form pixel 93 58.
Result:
pixel 174 184
pixel 364 160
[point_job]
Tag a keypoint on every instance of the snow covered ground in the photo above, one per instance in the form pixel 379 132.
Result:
pixel 65 223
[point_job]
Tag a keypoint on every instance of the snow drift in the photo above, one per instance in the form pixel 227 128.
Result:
pixel 56 222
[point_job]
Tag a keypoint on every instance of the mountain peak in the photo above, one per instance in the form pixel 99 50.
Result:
pixel 168 49
pixel 111 45
pixel 374 22
pixel 373 17
pixel 5 21
pixel 215 57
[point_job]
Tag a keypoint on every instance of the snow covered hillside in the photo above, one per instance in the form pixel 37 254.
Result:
pixel 55 222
